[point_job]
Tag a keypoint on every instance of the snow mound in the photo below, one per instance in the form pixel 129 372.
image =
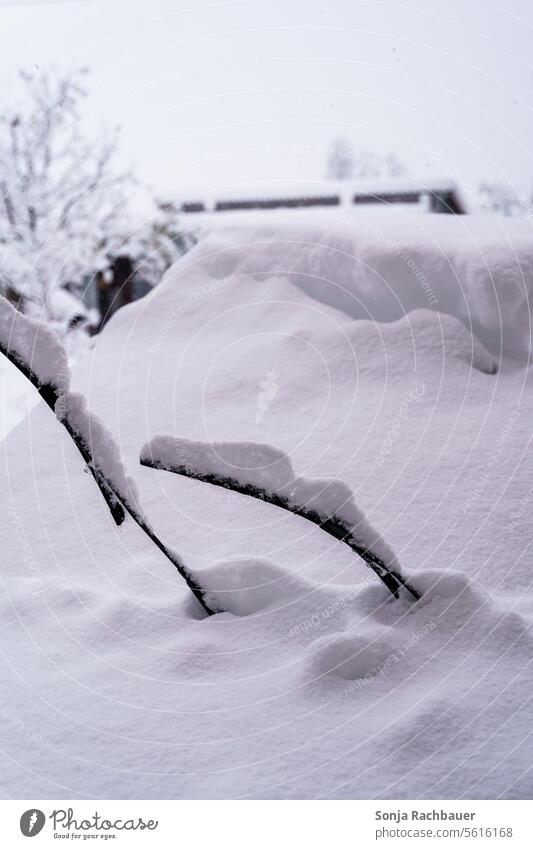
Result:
pixel 247 586
pixel 351 656
pixel 35 346
pixel 453 585
pixel 427 337
pixel 476 268
pixel 264 468
pixel 462 605
pixel 71 409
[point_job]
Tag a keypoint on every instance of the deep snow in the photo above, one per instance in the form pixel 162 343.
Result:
pixel 313 683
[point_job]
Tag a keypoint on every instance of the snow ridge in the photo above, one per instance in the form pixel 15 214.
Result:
pixel 478 269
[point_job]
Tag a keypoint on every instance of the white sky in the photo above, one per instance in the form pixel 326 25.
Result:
pixel 217 94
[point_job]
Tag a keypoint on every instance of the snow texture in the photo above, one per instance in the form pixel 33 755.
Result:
pixel 476 268
pixel 265 467
pixel 312 684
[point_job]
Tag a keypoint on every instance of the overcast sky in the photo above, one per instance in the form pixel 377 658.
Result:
pixel 217 94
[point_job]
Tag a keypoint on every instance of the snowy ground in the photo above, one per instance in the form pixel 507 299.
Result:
pixel 348 347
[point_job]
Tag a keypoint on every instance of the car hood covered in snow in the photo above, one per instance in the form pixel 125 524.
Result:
pixel 385 352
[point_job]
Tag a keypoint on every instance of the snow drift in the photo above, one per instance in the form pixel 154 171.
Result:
pixel 377 267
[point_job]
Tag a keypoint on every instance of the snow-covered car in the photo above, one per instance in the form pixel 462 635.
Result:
pixel 389 354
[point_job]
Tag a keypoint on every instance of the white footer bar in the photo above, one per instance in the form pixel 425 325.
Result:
pixel 267 824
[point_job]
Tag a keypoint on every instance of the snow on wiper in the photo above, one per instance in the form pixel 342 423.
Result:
pixel 265 473
pixel 105 457
pixel 37 352
pixel 34 348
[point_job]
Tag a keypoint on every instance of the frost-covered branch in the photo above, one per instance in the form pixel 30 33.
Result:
pixel 265 473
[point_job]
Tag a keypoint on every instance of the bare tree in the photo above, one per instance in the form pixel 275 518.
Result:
pixel 346 162
pixel 501 199
pixel 64 204
pixel 340 164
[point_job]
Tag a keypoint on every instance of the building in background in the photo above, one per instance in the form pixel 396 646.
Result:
pixel 437 196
